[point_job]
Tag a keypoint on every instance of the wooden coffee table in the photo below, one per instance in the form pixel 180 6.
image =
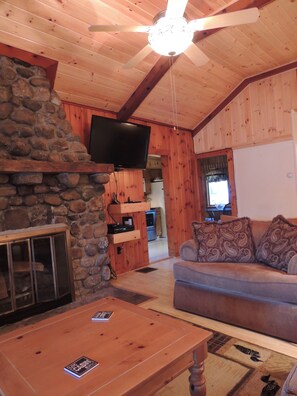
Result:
pixel 139 351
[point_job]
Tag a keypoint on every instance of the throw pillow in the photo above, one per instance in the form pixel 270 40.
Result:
pixel 279 244
pixel 230 241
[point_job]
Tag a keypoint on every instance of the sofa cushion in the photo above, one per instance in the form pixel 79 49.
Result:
pixel 229 241
pixel 279 244
pixel 251 279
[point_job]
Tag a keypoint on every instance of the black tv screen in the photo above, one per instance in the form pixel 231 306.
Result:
pixel 123 144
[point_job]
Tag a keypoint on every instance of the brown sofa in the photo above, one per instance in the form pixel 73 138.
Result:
pixel 252 295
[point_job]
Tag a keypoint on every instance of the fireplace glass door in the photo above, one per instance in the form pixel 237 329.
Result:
pixel 33 271
pixel 16 276
pixel 22 274
pixel 50 267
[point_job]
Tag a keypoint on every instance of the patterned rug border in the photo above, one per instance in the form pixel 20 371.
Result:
pixel 215 343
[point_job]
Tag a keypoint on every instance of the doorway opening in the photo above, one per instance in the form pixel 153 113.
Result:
pixel 156 216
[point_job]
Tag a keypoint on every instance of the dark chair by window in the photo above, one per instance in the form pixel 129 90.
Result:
pixel 227 209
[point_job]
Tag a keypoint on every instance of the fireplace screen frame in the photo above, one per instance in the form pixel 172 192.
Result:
pixel 21 257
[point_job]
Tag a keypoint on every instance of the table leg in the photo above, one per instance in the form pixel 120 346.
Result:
pixel 197 379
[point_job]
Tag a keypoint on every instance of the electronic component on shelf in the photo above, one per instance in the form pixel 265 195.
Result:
pixel 117 228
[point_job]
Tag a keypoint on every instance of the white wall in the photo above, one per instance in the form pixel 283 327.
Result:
pixel 265 179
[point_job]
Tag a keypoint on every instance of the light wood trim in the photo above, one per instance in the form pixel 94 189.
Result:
pixel 232 186
pixel 48 229
pixel 14 166
pixel 294 133
pixel 124 236
pixel 213 153
pixel 201 191
pixel 128 208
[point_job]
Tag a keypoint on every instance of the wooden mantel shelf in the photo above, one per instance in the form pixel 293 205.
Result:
pixel 16 166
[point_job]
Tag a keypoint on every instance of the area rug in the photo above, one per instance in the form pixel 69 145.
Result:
pixel 237 368
pixel 123 294
pixel 146 270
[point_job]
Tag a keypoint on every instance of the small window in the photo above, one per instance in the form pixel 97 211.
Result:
pixel 217 192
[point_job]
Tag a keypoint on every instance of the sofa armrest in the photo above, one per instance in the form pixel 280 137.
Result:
pixel 290 385
pixel 292 266
pixel 189 250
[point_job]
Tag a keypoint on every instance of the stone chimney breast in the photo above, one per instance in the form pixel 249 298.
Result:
pixel 48 176
pixel 29 108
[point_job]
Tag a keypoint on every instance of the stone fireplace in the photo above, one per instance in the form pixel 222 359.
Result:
pixel 46 176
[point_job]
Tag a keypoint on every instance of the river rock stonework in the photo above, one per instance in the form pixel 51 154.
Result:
pixel 33 123
pixel 33 126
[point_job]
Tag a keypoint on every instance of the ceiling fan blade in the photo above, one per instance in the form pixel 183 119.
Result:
pixel 229 19
pixel 138 57
pixel 119 28
pixel 196 55
pixel 176 8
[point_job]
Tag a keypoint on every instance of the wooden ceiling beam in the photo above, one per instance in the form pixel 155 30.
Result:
pixel 146 86
pixel 240 88
pixel 164 64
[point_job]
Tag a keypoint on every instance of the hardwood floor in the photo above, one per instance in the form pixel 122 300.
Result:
pixel 158 250
pixel 159 284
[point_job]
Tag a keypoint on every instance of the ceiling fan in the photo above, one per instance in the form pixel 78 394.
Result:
pixel 171 33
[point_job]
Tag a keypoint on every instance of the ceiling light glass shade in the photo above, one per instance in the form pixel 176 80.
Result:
pixel 170 36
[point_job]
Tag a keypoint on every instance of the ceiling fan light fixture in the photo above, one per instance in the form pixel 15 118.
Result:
pixel 170 36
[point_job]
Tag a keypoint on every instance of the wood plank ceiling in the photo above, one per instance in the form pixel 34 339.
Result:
pixel 90 65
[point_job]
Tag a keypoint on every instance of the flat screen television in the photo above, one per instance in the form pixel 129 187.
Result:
pixel 123 144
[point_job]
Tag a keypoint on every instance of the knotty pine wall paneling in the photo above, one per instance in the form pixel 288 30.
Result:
pixel 260 114
pixel 180 196
pixel 176 150
pixel 177 156
pixel 134 254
